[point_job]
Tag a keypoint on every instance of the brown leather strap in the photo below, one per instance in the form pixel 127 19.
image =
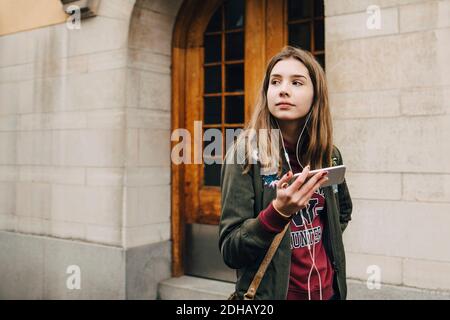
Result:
pixel 250 294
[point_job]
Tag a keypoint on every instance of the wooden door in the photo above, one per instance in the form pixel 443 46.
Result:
pixel 220 53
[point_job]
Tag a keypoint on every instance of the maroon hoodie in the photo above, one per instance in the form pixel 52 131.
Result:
pixel 302 234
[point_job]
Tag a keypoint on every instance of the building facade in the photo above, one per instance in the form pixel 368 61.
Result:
pixel 91 205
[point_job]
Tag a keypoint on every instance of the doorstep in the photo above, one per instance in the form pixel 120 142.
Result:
pixel 194 288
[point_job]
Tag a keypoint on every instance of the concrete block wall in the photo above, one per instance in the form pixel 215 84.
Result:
pixel 390 100
pixel 62 121
pixel 84 150
pixel 84 113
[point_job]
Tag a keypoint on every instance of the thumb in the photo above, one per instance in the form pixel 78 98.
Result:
pixel 284 179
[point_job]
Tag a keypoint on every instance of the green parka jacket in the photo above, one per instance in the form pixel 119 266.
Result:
pixel 243 241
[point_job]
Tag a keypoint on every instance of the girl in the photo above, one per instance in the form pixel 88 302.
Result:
pixel 258 201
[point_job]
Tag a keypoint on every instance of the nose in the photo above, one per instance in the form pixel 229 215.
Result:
pixel 284 89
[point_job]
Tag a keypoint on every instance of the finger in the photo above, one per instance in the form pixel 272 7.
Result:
pixel 313 180
pixel 305 199
pixel 316 186
pixel 284 180
pixel 300 179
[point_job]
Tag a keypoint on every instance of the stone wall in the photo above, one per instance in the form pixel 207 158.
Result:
pixel 84 154
pixel 390 98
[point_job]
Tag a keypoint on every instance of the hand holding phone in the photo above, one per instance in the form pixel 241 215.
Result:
pixel 335 175
pixel 295 196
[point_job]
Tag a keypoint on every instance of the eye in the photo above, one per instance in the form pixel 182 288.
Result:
pixel 297 83
pixel 275 81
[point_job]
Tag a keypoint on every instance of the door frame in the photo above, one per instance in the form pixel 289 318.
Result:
pixel 262 30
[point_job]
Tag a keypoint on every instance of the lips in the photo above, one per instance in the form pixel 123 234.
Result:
pixel 284 104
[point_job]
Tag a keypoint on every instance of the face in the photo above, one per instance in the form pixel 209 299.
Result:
pixel 290 92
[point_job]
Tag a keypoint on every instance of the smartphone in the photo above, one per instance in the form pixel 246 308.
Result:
pixel 335 175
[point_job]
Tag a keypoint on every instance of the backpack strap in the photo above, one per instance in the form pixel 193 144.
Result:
pixel 335 161
pixel 336 157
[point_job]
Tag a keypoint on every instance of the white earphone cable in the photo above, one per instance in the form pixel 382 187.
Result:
pixel 313 254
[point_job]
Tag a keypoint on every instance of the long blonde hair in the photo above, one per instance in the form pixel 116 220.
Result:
pixel 319 131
